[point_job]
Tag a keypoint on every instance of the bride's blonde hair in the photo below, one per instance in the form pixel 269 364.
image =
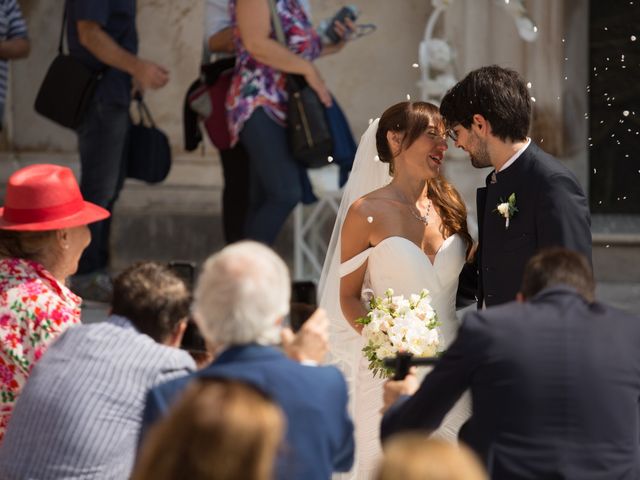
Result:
pixel 411 119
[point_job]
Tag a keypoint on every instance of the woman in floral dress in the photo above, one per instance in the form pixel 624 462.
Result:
pixel 257 104
pixel 43 232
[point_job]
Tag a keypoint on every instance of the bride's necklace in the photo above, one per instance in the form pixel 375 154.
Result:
pixel 416 213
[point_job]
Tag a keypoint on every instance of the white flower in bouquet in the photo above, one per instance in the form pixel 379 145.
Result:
pixel 395 323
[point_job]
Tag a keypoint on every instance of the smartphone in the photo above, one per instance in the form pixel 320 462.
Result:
pixel 347 12
pixel 303 303
pixel 192 340
pixel 185 271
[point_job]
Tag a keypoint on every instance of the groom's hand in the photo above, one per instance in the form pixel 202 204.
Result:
pixel 311 343
pixel 393 389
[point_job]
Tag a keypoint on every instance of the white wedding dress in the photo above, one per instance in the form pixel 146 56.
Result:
pixel 396 263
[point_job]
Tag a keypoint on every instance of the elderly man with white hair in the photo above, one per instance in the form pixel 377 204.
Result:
pixel 240 301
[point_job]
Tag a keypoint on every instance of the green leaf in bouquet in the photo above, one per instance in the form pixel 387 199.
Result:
pixel 376 365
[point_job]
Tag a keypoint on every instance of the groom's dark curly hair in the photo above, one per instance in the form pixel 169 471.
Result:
pixel 498 94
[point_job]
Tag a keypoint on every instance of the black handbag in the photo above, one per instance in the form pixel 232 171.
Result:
pixel 149 154
pixel 67 88
pixel 308 129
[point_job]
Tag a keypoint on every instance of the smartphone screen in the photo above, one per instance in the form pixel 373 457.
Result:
pixel 303 303
pixel 185 271
pixel 192 340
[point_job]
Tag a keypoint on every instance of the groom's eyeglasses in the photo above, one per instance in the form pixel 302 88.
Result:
pixel 451 133
pixel 435 135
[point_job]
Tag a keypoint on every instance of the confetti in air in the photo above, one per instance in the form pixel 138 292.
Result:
pixel 633 38
pixel 376 158
pixel 408 97
pixel 625 113
pixel 415 65
pixel 370 219
pixel 528 84
pixel 329 159
pixel 533 99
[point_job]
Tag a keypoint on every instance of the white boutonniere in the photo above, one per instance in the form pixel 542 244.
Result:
pixel 507 209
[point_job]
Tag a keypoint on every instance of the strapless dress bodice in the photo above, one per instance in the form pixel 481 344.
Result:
pixel 398 263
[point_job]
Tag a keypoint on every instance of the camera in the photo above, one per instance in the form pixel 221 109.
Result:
pixel 403 361
pixel 328 28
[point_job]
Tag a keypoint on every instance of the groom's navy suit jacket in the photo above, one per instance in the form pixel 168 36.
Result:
pixel 555 385
pixel 552 211
pixel 319 432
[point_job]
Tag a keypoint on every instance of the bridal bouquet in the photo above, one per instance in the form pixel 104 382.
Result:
pixel 395 323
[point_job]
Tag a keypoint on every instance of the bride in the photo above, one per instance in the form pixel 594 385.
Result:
pixel 400 225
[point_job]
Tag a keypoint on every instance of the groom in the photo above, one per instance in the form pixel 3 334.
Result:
pixel 530 200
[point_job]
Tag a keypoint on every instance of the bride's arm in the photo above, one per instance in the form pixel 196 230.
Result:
pixel 354 239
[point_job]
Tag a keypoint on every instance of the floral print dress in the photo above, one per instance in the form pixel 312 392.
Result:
pixel 35 309
pixel 255 84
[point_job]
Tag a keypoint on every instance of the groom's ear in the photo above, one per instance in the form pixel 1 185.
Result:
pixel 480 123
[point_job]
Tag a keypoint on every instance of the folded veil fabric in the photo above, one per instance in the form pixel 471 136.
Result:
pixel 368 174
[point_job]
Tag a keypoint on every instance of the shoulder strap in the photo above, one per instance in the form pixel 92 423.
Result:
pixel 143 111
pixel 277 25
pixel 354 263
pixel 64 21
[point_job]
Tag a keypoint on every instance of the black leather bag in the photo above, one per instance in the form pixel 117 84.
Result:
pixel 149 154
pixel 67 88
pixel 307 124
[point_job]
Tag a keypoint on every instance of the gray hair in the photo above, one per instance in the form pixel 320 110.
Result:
pixel 241 294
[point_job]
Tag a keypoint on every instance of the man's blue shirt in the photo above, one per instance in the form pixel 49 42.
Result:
pixel 118 20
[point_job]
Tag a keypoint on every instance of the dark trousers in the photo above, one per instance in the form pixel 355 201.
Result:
pixel 274 177
pixel 102 141
pixel 235 192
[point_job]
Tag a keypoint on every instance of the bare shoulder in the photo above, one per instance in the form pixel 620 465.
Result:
pixel 359 222
pixel 376 201
pixel 358 213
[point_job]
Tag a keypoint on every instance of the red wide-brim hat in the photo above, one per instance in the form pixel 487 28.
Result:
pixel 46 197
